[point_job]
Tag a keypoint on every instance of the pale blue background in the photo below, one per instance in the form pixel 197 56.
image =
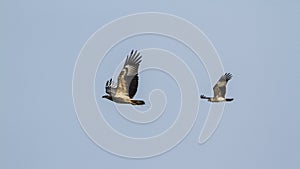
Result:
pixel 257 41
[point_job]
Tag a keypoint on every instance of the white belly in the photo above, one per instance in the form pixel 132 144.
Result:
pixel 221 99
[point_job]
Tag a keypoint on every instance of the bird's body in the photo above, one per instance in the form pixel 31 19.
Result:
pixel 217 99
pixel 220 90
pixel 127 85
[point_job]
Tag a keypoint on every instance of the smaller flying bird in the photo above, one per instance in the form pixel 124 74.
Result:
pixel 220 90
pixel 127 84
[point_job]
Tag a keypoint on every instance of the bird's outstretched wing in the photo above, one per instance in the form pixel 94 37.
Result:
pixel 110 87
pixel 128 77
pixel 220 87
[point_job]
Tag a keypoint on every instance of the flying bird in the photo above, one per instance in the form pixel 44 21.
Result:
pixel 220 90
pixel 127 84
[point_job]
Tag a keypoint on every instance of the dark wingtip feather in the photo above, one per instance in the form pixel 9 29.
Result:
pixel 135 52
pixel 108 83
pixel 134 57
pixel 228 76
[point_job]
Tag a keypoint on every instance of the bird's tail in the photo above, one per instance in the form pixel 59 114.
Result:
pixel 204 97
pixel 229 99
pixel 137 102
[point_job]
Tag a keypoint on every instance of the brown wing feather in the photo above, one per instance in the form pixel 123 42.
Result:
pixel 220 87
pixel 122 85
pixel 128 78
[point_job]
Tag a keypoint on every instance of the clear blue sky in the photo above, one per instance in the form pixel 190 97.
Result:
pixel 258 42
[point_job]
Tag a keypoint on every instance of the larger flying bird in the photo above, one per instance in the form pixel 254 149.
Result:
pixel 220 90
pixel 127 85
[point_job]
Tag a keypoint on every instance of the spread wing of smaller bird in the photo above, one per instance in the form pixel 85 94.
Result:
pixel 220 90
pixel 127 84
